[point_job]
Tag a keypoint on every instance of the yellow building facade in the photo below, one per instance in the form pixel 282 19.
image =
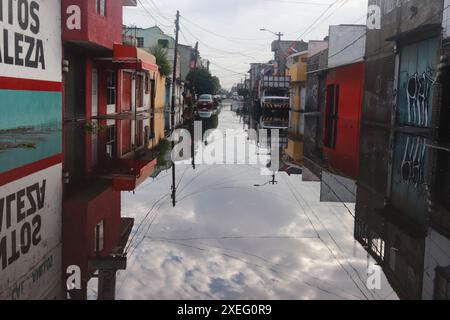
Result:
pixel 297 72
pixel 160 96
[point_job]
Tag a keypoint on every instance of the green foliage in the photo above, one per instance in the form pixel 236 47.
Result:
pixel 216 85
pixel 244 92
pixel 162 60
pixel 202 82
pixel 163 149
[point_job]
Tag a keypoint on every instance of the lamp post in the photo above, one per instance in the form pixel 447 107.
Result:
pixel 278 34
pixel 278 58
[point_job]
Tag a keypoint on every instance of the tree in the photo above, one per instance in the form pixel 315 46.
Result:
pixel 216 85
pixel 202 82
pixel 244 92
pixel 160 53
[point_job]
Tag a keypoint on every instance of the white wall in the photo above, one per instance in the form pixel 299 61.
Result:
pixel 49 18
pixel 36 274
pixel 347 44
pixel 314 47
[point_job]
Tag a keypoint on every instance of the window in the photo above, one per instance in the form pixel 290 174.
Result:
pixel 331 119
pixel 111 142
pixel 100 7
pixel 163 43
pixel 139 90
pixel 140 134
pixel 111 88
pixel 147 83
pixel 140 42
pixel 99 238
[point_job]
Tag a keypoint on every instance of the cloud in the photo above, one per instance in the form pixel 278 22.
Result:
pixel 232 38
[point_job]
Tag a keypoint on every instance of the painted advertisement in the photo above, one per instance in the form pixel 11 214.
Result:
pixel 30 82
pixel 30 236
pixel 30 149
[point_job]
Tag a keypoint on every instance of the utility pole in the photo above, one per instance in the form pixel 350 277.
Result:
pixel 196 56
pixel 172 111
pixel 280 34
pixel 281 68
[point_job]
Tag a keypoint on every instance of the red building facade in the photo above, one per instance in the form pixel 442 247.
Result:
pixel 344 94
pixel 109 108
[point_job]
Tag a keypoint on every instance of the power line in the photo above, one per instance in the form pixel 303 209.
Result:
pixel 300 2
pixel 323 241
pixel 159 11
pixel 231 39
pixel 318 18
pixel 214 48
pixel 152 16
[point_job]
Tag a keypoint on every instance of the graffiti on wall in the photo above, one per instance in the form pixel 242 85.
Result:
pixel 417 80
pixel 418 91
pixel 412 167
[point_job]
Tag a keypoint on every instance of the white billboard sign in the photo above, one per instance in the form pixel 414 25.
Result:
pixel 31 236
pixel 30 39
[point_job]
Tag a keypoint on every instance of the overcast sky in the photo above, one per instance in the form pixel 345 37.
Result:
pixel 228 30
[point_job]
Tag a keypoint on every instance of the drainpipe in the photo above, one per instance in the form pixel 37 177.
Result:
pixel 392 127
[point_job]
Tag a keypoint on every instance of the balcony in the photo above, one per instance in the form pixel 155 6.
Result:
pixel 128 174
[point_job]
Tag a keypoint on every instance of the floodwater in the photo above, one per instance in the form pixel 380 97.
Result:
pixel 234 235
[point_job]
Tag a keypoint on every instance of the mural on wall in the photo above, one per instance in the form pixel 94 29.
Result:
pixel 30 48
pixel 418 65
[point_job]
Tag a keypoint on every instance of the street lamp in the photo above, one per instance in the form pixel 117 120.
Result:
pixel 277 55
pixel 278 34
pixel 272 182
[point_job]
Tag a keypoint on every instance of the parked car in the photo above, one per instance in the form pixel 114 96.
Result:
pixel 205 106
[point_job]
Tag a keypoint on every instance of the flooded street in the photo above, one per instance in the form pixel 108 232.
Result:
pixel 210 151
pixel 232 235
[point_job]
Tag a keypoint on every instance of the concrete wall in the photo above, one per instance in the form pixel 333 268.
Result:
pixel 185 60
pixel 316 46
pixel 437 254
pixel 387 18
pixel 315 105
pixel 347 44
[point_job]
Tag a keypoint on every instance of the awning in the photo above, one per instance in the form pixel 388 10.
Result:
pixel 129 57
